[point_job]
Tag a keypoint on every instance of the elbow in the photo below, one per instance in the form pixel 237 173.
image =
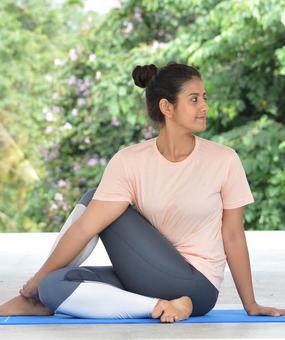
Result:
pixel 230 237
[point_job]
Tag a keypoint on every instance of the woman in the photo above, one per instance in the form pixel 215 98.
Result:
pixel 168 256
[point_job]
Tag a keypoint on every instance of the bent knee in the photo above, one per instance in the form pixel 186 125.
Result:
pixel 53 289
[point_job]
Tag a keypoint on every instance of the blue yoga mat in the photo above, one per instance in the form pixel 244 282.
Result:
pixel 214 316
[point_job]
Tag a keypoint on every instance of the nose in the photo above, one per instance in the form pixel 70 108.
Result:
pixel 204 107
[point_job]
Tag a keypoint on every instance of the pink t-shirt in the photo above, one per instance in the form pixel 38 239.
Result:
pixel 183 200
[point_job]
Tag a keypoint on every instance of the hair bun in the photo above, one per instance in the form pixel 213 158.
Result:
pixel 142 75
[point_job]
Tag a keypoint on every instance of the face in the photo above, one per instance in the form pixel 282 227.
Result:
pixel 191 108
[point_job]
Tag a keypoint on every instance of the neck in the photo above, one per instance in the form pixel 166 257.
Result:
pixel 175 146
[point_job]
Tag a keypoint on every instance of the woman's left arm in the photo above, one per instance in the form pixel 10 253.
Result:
pixel 238 261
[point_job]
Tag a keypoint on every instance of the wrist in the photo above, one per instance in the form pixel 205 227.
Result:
pixel 247 305
pixel 39 276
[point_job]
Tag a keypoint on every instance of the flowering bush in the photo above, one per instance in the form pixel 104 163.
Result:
pixel 95 108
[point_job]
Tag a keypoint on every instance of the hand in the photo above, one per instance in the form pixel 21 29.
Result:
pixel 30 288
pixel 256 309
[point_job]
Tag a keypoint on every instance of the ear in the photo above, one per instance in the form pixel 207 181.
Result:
pixel 166 107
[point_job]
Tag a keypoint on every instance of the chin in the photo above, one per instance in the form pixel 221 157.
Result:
pixel 202 128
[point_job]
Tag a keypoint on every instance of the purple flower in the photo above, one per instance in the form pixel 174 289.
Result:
pixel 50 117
pixel 128 28
pixel 83 85
pixel 76 167
pixel 53 206
pixel 92 161
pixel 67 126
pixel 138 15
pixel 115 121
pixel 157 45
pixel 74 112
pixel 73 56
pixel 49 129
pixel 61 183
pixel 86 93
pixel 81 101
pixel 148 133
pixel 88 82
pixel 57 110
pixel 87 140
pixel 58 62
pixel 58 196
pixel 103 161
pixel 80 88
pixel 72 80
pixel 50 155
pixel 92 57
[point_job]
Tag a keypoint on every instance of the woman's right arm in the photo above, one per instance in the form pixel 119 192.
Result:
pixel 97 216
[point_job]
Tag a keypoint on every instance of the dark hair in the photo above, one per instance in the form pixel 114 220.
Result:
pixel 165 82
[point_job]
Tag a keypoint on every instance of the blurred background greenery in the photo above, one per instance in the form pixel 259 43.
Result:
pixel 68 101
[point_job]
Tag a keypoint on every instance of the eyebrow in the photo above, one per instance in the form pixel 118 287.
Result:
pixel 196 93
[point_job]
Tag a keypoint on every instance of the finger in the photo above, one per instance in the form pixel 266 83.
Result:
pixel 22 292
pixel 275 312
pixel 281 311
pixel 23 295
pixel 168 319
pixel 271 311
pixel 163 317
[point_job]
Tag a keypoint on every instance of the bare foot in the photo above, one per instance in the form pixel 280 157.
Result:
pixel 173 310
pixel 20 305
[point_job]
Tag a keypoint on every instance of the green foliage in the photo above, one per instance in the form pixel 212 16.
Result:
pixel 261 147
pixel 93 108
pixel 32 35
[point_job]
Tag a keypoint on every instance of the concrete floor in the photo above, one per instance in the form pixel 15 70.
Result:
pixel 21 254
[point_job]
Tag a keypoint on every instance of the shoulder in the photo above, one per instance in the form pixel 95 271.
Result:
pixel 215 150
pixel 135 150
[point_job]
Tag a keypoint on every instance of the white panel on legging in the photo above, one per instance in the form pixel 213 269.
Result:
pixel 74 216
pixel 92 299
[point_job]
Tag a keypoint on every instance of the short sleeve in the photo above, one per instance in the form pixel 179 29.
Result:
pixel 115 184
pixel 235 191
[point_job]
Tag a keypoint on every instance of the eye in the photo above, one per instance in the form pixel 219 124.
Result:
pixel 205 98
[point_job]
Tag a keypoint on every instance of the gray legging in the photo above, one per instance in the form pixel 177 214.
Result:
pixel 144 262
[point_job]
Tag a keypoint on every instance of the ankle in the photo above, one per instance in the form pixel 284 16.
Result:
pixel 187 303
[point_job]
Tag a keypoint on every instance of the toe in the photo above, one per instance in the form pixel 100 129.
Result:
pixel 156 312
pixel 158 309
pixel 170 319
